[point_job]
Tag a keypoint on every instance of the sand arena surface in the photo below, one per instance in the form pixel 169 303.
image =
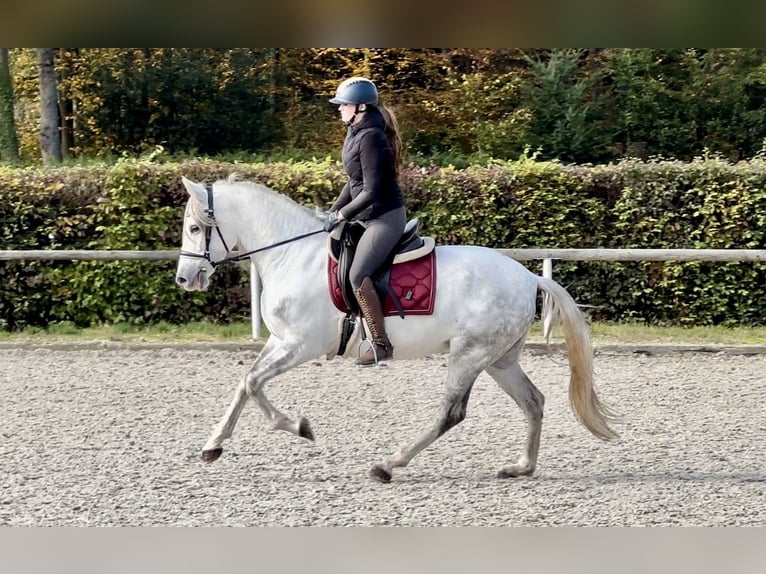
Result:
pixel 113 437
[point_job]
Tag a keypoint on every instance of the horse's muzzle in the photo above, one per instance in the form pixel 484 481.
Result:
pixel 198 283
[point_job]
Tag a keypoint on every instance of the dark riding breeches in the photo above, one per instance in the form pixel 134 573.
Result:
pixel 376 243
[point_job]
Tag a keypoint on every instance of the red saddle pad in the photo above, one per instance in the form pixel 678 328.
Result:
pixel 414 282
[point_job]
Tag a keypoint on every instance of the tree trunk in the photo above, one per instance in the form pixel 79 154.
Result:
pixel 9 141
pixel 50 138
pixel 66 101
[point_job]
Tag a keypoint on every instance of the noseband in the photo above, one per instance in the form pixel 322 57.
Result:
pixel 239 256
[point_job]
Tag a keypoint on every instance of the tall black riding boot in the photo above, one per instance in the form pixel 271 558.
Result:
pixel 372 311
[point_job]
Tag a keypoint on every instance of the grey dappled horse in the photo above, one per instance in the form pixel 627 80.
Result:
pixel 485 304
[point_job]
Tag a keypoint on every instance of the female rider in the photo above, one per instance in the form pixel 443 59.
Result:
pixel 371 158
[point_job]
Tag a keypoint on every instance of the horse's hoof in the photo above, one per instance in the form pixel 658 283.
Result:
pixel 304 430
pixel 512 472
pixel 212 454
pixel 380 474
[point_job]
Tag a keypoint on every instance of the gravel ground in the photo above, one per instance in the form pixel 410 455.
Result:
pixel 113 437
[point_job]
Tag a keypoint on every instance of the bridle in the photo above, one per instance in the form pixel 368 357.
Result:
pixel 209 211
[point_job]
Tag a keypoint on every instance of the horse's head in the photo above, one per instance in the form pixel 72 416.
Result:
pixel 203 244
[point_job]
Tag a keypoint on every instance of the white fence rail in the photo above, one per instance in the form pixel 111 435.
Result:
pixel 547 256
pixel 637 254
pixel 519 254
pixel 78 255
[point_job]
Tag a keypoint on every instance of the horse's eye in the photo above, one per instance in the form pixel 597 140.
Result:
pixel 194 229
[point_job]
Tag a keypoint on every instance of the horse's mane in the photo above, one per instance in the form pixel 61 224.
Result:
pixel 199 215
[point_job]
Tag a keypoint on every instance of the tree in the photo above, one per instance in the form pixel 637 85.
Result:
pixel 50 138
pixel 567 115
pixel 9 142
pixel 65 61
pixel 453 104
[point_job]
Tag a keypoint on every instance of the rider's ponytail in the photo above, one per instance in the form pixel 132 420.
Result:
pixel 392 133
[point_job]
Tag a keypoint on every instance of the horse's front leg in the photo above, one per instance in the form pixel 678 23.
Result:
pixel 274 359
pixel 279 421
pixel 213 447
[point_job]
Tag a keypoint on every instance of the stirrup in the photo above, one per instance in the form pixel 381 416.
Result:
pixel 389 352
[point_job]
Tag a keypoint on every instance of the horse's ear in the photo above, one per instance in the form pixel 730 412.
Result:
pixel 196 190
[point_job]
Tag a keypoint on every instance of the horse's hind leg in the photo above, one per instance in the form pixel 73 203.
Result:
pixel 514 381
pixel 461 375
pixel 274 359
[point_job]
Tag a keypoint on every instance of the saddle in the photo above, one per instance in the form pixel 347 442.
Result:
pixel 405 282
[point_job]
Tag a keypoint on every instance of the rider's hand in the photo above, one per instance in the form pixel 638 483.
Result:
pixel 331 222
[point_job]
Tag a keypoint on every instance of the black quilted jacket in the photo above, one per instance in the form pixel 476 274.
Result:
pixel 372 188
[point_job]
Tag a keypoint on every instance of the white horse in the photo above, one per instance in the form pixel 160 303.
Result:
pixel 485 304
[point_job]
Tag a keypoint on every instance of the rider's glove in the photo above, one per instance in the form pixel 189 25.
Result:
pixel 331 222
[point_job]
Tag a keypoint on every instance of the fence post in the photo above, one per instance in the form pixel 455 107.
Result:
pixel 255 300
pixel 548 268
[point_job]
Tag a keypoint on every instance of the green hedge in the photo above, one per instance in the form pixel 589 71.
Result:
pixel 138 204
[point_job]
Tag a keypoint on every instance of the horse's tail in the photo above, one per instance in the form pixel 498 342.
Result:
pixel 560 308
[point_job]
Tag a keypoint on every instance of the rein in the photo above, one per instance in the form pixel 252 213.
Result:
pixel 239 256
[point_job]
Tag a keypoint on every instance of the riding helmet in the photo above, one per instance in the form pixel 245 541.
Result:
pixel 356 90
